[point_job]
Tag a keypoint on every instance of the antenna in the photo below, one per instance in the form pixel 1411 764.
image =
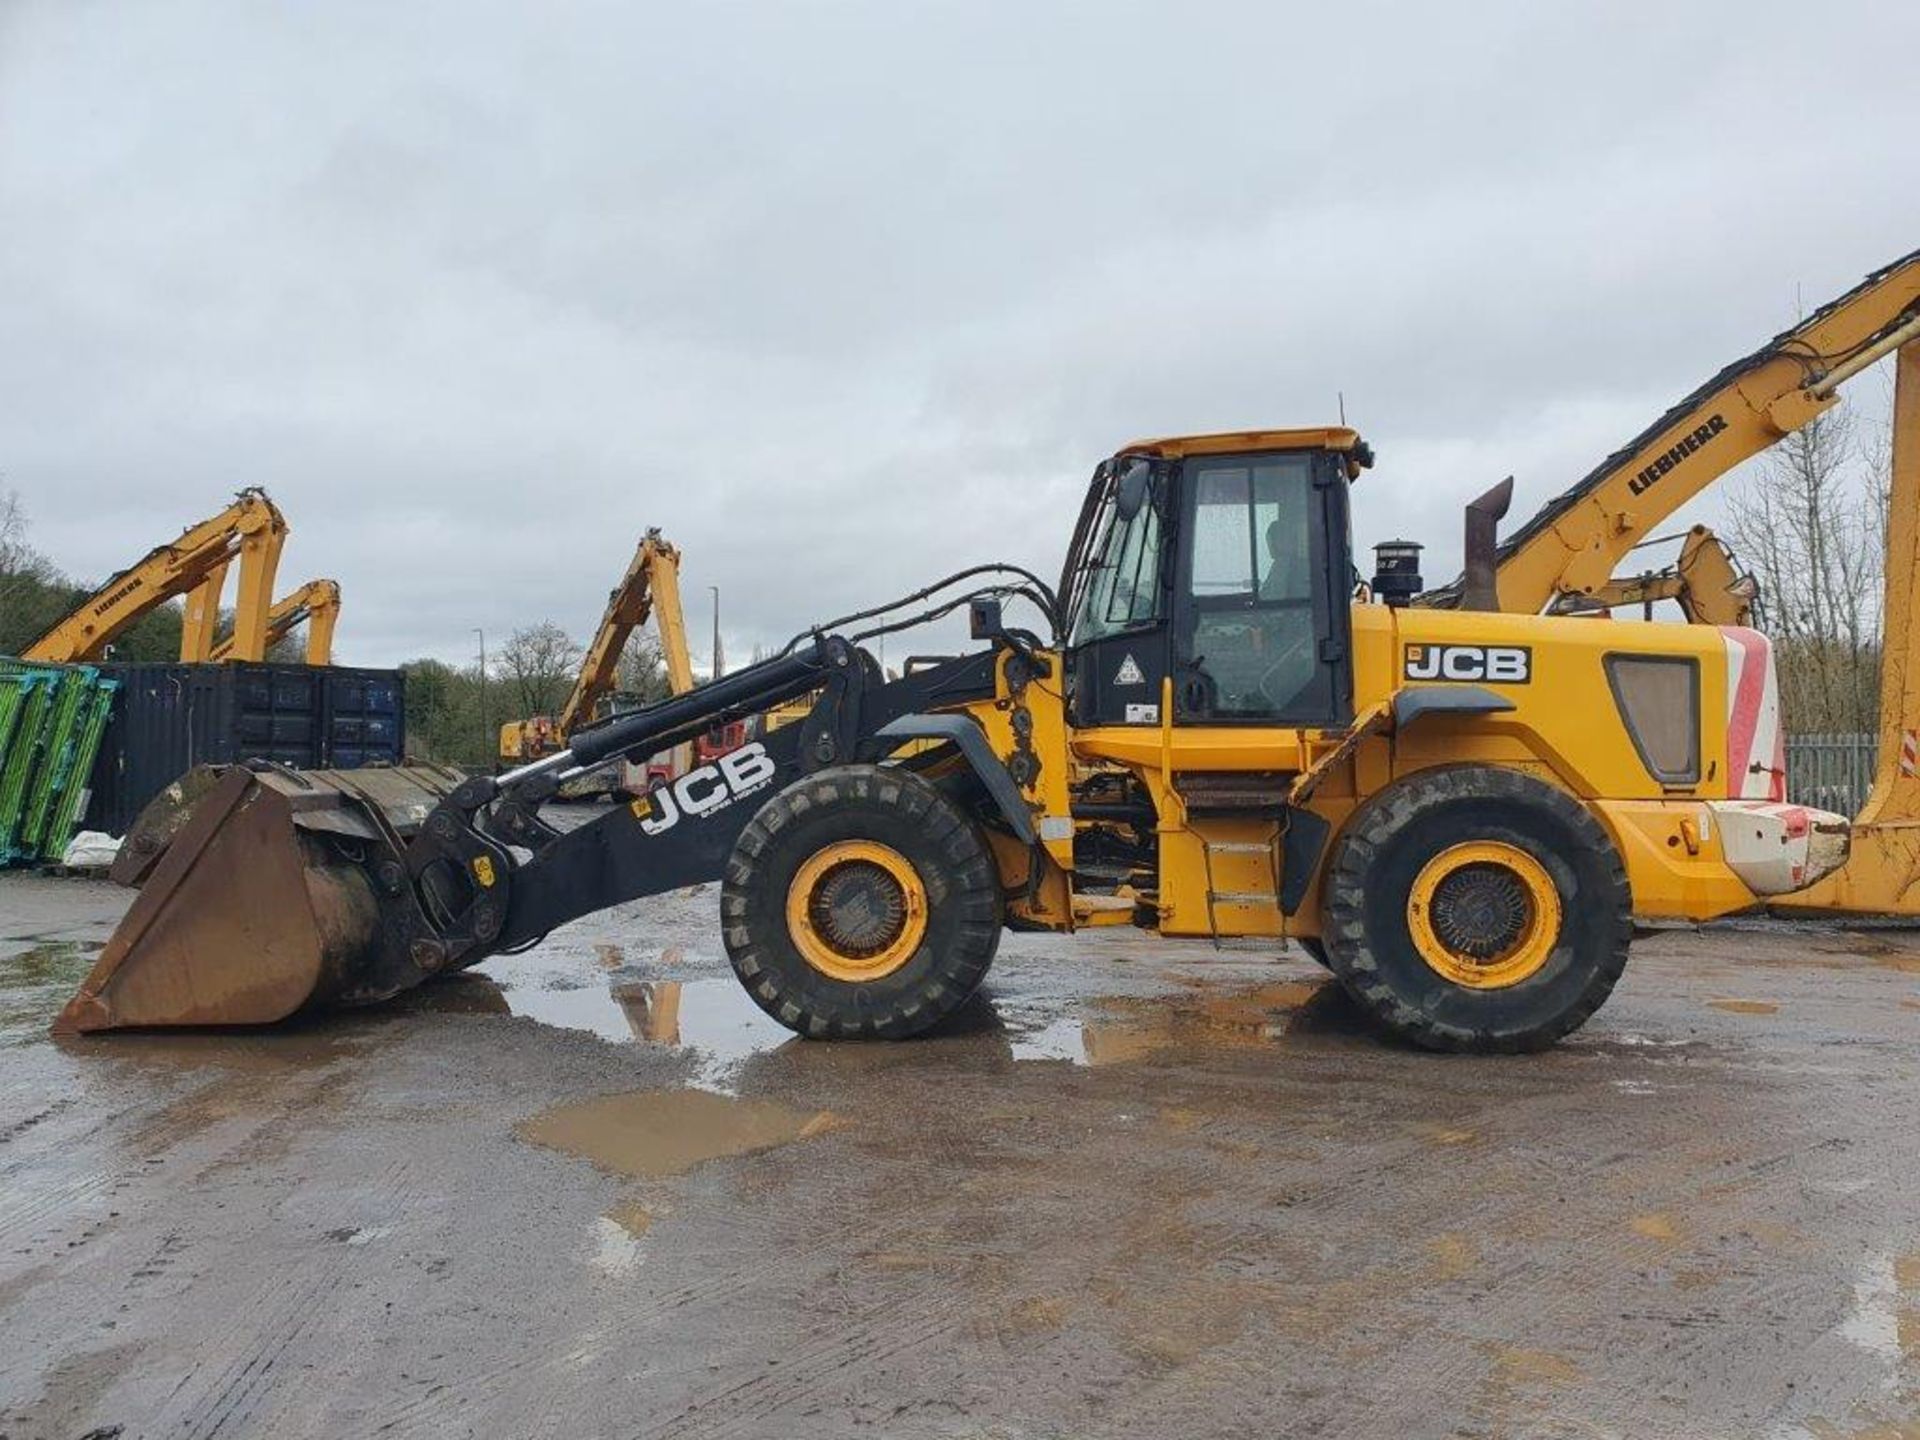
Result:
pixel 1343 407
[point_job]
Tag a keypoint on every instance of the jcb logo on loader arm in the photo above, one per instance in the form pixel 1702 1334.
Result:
pixel 701 792
pixel 1500 664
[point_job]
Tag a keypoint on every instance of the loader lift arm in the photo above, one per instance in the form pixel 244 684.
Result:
pixel 361 898
pixel 251 530
pixel 316 603
pixel 1570 549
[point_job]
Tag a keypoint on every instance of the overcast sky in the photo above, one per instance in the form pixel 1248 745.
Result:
pixel 843 296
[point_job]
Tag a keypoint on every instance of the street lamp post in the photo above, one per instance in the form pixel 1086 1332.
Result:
pixel 485 732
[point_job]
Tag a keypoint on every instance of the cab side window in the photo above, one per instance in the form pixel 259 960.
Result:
pixel 1124 591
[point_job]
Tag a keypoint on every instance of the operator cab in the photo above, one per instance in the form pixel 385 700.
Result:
pixel 1223 563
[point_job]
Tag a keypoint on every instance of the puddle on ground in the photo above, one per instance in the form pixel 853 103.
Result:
pixel 648 1134
pixel 719 1024
pixel 632 1217
pixel 1518 1365
pixel 1656 1225
pixel 616 1250
pixel 1116 1030
pixel 36 983
pixel 1746 1007
pixel 1886 1298
pixel 1451 1256
pixel 715 1018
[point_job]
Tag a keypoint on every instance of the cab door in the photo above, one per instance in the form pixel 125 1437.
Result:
pixel 1261 623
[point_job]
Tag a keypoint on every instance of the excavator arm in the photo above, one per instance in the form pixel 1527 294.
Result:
pixel 651 586
pixel 317 603
pixel 1570 549
pixel 251 530
pixel 1705 582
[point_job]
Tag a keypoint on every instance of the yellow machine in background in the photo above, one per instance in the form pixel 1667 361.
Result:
pixel 315 604
pixel 651 587
pixel 250 530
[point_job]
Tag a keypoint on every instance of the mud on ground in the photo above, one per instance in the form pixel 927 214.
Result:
pixel 1141 1190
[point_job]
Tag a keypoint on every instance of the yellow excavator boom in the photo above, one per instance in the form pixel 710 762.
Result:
pixel 251 529
pixel 650 588
pixel 252 611
pixel 317 603
pixel 1571 548
pixel 199 627
pixel 1882 876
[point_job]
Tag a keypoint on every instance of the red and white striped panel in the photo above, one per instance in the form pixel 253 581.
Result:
pixel 1756 748
pixel 1909 753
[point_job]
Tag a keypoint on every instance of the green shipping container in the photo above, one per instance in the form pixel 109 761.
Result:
pixel 51 719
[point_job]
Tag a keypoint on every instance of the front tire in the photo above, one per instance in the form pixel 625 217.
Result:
pixel 861 903
pixel 1477 909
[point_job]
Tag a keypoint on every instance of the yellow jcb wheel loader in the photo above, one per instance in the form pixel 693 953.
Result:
pixel 1464 808
pixel 1460 808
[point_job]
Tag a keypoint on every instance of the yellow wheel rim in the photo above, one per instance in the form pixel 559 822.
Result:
pixel 856 910
pixel 1484 914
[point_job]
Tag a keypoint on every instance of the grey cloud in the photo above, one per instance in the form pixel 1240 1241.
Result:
pixel 846 295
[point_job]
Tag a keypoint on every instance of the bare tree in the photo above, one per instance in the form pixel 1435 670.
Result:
pixel 13 531
pixel 539 664
pixel 1812 525
pixel 641 671
pixel 25 575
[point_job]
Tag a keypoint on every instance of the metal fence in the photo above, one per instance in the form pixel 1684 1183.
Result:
pixel 1830 772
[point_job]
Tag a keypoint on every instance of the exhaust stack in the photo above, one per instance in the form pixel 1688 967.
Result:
pixel 1480 589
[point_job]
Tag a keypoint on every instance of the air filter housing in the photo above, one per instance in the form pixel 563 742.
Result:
pixel 1396 571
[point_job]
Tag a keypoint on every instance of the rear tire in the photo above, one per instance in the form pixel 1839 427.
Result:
pixel 1477 909
pixel 861 903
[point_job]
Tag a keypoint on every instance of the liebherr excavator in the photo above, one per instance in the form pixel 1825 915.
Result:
pixel 251 530
pixel 1462 804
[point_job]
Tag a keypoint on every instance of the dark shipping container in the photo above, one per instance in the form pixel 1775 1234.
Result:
pixel 168 718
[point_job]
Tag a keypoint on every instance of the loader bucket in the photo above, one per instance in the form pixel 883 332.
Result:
pixel 257 901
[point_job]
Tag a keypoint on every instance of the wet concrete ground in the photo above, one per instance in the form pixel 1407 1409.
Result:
pixel 1143 1190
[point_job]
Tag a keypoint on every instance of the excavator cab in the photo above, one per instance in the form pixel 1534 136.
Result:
pixel 1214 569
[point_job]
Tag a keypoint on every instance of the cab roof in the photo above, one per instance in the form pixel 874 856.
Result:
pixel 1232 442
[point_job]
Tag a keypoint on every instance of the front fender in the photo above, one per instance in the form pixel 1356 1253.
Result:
pixel 971 741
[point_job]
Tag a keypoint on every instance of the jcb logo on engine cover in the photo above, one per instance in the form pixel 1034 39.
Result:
pixel 701 792
pixel 1500 664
